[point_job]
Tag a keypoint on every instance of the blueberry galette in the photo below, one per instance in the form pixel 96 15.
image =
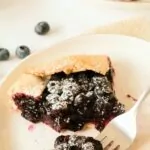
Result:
pixel 75 142
pixel 68 93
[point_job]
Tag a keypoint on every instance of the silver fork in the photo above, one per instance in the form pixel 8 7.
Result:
pixel 110 144
pixel 112 138
pixel 117 129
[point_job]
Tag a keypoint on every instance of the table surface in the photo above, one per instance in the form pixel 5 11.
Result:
pixel 67 18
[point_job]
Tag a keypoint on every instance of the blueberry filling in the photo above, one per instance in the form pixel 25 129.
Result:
pixel 77 143
pixel 31 109
pixel 71 101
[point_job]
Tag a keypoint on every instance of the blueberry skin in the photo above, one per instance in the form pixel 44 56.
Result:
pixel 42 28
pixel 4 54
pixel 22 51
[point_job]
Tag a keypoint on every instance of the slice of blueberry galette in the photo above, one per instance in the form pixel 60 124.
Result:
pixel 68 93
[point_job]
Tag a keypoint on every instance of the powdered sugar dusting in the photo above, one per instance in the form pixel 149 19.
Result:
pixel 88 146
pixel 77 142
pixel 61 92
pixel 71 101
pixel 59 105
pixel 74 140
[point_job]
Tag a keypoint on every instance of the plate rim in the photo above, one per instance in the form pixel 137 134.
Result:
pixel 66 40
pixel 110 36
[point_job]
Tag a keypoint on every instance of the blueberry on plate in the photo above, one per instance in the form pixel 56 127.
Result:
pixel 42 28
pixel 22 51
pixel 4 54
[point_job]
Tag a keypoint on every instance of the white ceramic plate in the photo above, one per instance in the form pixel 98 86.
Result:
pixel 130 57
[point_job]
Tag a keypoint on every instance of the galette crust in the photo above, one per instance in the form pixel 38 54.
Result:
pixel 28 84
pixel 34 81
pixel 98 63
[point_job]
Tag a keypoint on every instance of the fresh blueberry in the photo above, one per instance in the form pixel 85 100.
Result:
pixel 4 54
pixel 22 51
pixel 42 28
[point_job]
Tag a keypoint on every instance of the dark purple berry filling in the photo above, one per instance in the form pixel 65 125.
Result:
pixel 71 101
pixel 31 108
pixel 77 143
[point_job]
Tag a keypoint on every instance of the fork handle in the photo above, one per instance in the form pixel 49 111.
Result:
pixel 140 100
pixel 130 117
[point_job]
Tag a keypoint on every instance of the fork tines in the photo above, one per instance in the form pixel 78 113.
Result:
pixel 110 144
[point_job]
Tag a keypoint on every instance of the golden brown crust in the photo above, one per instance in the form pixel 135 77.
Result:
pixel 34 81
pixel 70 64
pixel 29 85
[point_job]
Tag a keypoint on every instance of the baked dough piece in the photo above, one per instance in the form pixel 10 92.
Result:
pixel 68 93
pixel 34 81
pixel 28 84
pixel 70 64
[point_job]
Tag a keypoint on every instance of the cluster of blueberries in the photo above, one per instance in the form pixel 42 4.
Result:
pixel 23 51
pixel 74 142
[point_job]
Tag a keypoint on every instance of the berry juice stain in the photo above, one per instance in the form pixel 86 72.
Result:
pixel 31 128
pixel 131 97
pixel 14 108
